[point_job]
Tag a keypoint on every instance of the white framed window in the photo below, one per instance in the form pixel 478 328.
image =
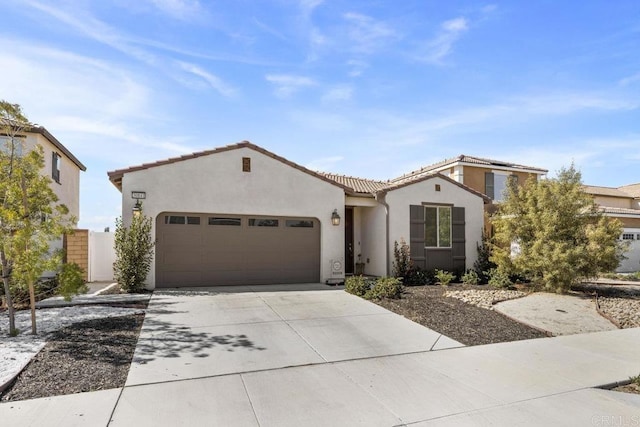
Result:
pixel 628 236
pixel 437 226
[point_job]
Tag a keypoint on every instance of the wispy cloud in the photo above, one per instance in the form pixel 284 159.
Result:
pixel 212 80
pixel 357 67
pixel 179 9
pixel 629 80
pixel 95 29
pixel 437 49
pixel 324 164
pixel 287 84
pixel 339 93
pixel 367 34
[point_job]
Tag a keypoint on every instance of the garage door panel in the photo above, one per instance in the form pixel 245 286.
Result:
pixel 225 253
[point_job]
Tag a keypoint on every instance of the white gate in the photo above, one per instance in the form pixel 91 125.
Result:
pixel 102 255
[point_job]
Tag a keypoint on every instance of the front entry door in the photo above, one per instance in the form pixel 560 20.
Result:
pixel 348 241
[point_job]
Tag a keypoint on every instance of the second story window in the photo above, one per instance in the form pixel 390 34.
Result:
pixel 495 185
pixel 55 167
pixel 12 145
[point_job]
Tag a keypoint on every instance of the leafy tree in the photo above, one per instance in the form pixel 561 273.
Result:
pixel 552 232
pixel 134 252
pixel 30 216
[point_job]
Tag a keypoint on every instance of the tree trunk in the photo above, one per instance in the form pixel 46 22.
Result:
pixel 7 294
pixel 32 303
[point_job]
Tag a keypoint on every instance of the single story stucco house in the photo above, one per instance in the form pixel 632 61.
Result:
pixel 243 215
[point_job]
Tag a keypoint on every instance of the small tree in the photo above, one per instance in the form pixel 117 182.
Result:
pixel 30 215
pixel 552 232
pixel 402 258
pixel 134 252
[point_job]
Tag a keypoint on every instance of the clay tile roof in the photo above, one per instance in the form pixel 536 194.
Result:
pixel 631 189
pixel 358 185
pixel 463 158
pixel 606 191
pixel 623 211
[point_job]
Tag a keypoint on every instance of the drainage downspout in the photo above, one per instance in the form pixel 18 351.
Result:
pixel 381 198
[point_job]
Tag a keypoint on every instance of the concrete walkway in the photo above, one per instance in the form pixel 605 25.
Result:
pixel 557 314
pixel 265 357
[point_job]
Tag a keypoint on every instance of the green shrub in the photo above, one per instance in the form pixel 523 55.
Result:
pixel 499 279
pixel 134 251
pixel 385 287
pixel 444 277
pixel 470 278
pixel 483 264
pixel 402 258
pixel 418 277
pixel 356 285
pixel 70 281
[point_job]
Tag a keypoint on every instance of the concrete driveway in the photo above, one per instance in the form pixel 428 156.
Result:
pixel 317 356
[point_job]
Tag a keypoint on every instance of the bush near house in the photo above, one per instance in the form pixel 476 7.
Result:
pixel 402 258
pixel 470 278
pixel 385 287
pixel 134 251
pixel 356 285
pixel 416 276
pixel 444 277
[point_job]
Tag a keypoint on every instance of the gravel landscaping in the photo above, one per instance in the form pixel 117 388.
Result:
pixel 463 322
pixel 87 356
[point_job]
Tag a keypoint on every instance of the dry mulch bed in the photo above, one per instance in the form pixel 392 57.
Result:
pixel 88 356
pixel 460 321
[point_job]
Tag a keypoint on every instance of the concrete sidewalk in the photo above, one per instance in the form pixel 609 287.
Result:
pixel 267 358
pixel 556 314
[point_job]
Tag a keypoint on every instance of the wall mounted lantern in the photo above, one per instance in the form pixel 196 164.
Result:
pixel 138 196
pixel 335 218
pixel 137 208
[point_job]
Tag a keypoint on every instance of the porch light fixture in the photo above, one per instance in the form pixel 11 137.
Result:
pixel 335 218
pixel 137 208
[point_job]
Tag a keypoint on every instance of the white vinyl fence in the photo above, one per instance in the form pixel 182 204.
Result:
pixel 102 255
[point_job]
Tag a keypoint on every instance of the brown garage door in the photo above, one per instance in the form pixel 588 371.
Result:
pixel 215 249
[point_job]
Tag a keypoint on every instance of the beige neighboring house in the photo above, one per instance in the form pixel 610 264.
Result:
pixel 60 165
pixel 622 203
pixel 486 176
pixel 240 215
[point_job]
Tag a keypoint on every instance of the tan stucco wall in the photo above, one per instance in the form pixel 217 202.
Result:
pixel 76 247
pixel 614 202
pixel 216 184
pixel 630 222
pixel 425 192
pixel 474 177
pixel 68 190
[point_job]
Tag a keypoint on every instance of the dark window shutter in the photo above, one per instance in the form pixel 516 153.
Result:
pixel 458 226
pixel 488 185
pixel 416 236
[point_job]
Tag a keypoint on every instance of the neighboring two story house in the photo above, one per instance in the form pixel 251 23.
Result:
pixel 622 203
pixel 60 165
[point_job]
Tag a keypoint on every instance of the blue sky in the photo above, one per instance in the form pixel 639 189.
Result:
pixel 365 88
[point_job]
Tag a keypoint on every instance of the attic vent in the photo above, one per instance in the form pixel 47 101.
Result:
pixel 437 187
pixel 246 164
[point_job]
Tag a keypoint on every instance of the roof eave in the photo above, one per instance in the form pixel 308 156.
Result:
pixel 44 132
